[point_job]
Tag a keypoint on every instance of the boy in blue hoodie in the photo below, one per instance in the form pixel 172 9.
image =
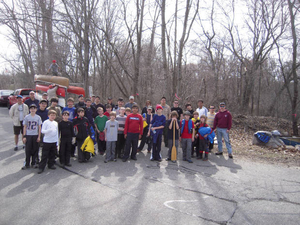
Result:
pixel 187 136
pixel 156 128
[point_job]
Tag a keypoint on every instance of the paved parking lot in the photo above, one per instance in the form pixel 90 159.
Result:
pixel 219 191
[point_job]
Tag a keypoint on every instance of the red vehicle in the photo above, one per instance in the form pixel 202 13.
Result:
pixel 12 99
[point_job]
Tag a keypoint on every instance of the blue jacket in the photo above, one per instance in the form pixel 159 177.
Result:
pixel 206 130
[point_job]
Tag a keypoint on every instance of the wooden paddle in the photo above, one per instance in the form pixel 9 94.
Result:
pixel 174 153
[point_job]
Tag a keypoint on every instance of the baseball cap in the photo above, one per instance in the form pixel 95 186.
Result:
pixel 109 98
pixel 45 94
pixel 149 107
pixel 43 100
pixel 19 96
pixel 222 103
pixel 32 106
pixel 79 96
pixel 159 107
pixel 131 97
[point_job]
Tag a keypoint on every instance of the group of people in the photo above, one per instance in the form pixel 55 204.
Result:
pixel 117 128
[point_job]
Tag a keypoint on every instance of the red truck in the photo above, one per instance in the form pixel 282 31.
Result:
pixel 12 99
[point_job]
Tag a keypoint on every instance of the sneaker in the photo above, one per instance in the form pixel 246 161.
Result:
pixel 40 171
pixel 35 166
pixel 25 167
pixel 105 161
pixel 190 161
pixel 16 148
pixel 219 153
pixel 115 160
pixel 139 150
pixel 174 161
pixel 159 160
pixel 149 151
pixel 52 168
pixel 151 159
pixel 124 160
pixel 230 156
pixel 134 158
pixel 168 159
pixel 205 159
pixel 69 164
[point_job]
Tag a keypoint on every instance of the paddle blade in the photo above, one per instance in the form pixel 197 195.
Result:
pixel 174 154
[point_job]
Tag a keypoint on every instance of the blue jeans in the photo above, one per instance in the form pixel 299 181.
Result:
pixel 222 132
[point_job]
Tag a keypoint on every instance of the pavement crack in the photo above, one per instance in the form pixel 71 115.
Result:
pixel 98 182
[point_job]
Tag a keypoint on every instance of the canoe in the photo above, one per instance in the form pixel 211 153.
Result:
pixel 76 90
pixel 291 140
pixel 61 91
pixel 44 88
pixel 47 79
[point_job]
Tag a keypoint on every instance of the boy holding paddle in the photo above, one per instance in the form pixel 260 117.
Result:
pixel 173 136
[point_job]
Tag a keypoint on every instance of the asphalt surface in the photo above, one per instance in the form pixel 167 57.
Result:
pixel 219 191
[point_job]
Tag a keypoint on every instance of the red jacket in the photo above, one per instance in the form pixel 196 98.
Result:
pixel 134 124
pixel 223 120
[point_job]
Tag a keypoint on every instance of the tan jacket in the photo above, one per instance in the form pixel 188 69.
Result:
pixel 15 114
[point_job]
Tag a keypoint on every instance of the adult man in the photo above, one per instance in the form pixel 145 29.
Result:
pixel 32 100
pixel 54 67
pixel 177 109
pixel 18 112
pixel 202 110
pixel 167 113
pixel 109 102
pixel 222 123
pixel 118 107
pixel 52 91
pixel 130 103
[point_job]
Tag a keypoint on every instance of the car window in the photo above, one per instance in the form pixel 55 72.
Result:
pixel 25 92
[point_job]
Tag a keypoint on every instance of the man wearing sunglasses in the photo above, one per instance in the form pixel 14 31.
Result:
pixel 222 123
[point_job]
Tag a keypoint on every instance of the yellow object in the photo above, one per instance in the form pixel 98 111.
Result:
pixel 88 145
pixel 145 124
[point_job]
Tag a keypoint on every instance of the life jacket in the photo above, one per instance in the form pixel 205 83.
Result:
pixel 190 126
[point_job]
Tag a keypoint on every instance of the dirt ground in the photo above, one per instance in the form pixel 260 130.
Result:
pixel 243 128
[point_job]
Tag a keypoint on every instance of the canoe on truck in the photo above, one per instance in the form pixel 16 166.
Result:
pixel 44 88
pixel 76 90
pixel 47 79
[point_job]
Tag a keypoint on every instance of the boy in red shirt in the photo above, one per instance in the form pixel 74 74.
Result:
pixel 187 136
pixel 132 132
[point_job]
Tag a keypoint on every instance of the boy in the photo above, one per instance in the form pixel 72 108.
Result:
pixel 148 118
pixel 43 113
pixel 210 122
pixel 82 131
pixel 121 118
pixel 66 132
pixel 50 131
pixel 108 111
pixel 195 143
pixel 170 124
pixel 133 132
pixel 53 106
pixel 203 140
pixel 187 136
pixel 111 136
pixel 100 122
pixel 127 111
pixel 70 108
pixel 157 127
pixel 31 136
